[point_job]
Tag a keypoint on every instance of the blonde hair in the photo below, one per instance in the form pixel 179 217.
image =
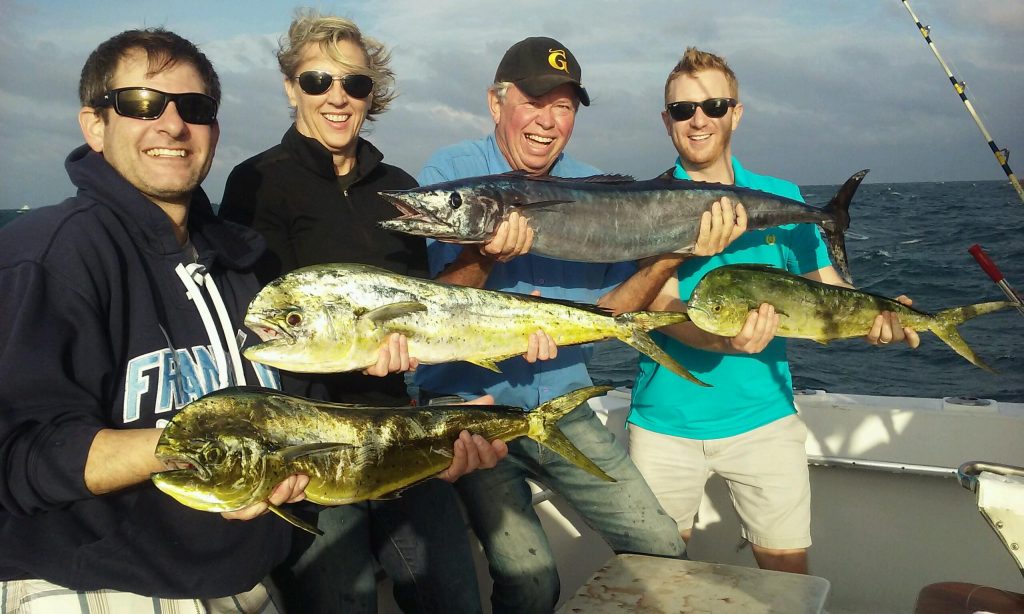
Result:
pixel 694 60
pixel 311 28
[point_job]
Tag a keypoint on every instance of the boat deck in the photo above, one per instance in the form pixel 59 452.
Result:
pixel 889 517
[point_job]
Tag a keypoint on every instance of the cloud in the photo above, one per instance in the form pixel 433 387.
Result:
pixel 830 87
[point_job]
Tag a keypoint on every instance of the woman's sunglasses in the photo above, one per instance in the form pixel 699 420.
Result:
pixel 713 108
pixel 316 82
pixel 146 103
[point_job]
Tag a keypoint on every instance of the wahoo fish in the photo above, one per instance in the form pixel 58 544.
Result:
pixel 604 218
pixel 233 446
pixel 812 310
pixel 335 317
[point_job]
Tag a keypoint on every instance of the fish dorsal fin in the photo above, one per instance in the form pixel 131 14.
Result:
pixel 294 520
pixel 393 310
pixel 758 267
pixel 602 178
pixel 669 175
pixel 292 453
pixel 567 303
pixel 607 178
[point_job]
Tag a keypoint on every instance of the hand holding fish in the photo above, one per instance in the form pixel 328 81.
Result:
pixel 720 226
pixel 473 451
pixel 393 357
pixel 540 347
pixel 291 490
pixel 758 330
pixel 886 328
pixel 514 237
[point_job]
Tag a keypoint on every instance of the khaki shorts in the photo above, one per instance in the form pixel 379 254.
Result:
pixel 42 597
pixel 765 469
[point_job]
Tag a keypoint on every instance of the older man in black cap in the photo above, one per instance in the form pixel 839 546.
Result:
pixel 536 93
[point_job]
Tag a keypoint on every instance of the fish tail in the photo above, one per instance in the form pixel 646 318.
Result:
pixel 838 210
pixel 944 325
pixel 545 431
pixel 636 324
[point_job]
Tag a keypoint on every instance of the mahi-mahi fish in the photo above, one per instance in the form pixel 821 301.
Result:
pixel 604 218
pixel 233 446
pixel 809 309
pixel 335 317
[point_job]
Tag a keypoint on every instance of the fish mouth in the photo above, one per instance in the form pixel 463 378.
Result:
pixel 267 330
pixel 415 221
pixel 699 310
pixel 182 465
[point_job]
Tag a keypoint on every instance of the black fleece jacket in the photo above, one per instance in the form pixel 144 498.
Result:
pixel 98 331
pixel 291 195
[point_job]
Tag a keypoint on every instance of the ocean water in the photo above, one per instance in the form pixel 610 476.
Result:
pixel 912 238
pixel 907 238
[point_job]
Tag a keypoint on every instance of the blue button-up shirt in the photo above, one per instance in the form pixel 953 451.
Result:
pixel 520 383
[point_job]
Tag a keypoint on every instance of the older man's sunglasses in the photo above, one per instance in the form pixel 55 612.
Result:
pixel 147 103
pixel 712 107
pixel 316 82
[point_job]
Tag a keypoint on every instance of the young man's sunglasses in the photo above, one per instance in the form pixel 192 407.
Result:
pixel 713 108
pixel 316 82
pixel 146 103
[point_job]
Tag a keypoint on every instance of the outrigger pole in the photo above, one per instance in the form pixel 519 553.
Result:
pixel 1002 155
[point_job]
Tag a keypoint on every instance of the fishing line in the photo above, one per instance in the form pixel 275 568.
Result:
pixel 1002 155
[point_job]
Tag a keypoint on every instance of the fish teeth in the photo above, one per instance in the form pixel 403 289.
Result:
pixel 160 152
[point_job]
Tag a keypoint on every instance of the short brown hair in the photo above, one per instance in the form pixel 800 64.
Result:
pixel 310 27
pixel 694 60
pixel 163 49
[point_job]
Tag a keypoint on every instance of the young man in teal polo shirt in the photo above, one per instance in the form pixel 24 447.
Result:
pixel 744 427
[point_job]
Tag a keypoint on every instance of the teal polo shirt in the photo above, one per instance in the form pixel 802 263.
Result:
pixel 748 391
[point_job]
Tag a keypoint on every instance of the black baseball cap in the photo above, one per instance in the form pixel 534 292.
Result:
pixel 538 65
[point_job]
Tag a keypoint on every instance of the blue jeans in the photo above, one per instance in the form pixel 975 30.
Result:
pixel 419 539
pixel 499 504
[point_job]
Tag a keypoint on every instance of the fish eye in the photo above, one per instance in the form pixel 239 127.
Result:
pixel 294 318
pixel 455 200
pixel 716 308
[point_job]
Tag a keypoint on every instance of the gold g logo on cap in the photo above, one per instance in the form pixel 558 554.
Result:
pixel 556 58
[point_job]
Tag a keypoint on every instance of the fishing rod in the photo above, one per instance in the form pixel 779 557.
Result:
pixel 996 275
pixel 1002 155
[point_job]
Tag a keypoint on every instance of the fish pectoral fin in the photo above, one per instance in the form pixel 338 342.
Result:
pixel 486 364
pixel 294 520
pixel 292 453
pixel 542 203
pixel 392 311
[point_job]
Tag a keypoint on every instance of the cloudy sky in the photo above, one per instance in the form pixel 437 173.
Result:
pixel 830 86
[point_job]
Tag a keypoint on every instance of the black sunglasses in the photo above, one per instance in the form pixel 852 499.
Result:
pixel 146 103
pixel 316 82
pixel 713 108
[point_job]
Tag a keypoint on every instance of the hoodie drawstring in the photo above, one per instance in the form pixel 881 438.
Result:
pixel 193 276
